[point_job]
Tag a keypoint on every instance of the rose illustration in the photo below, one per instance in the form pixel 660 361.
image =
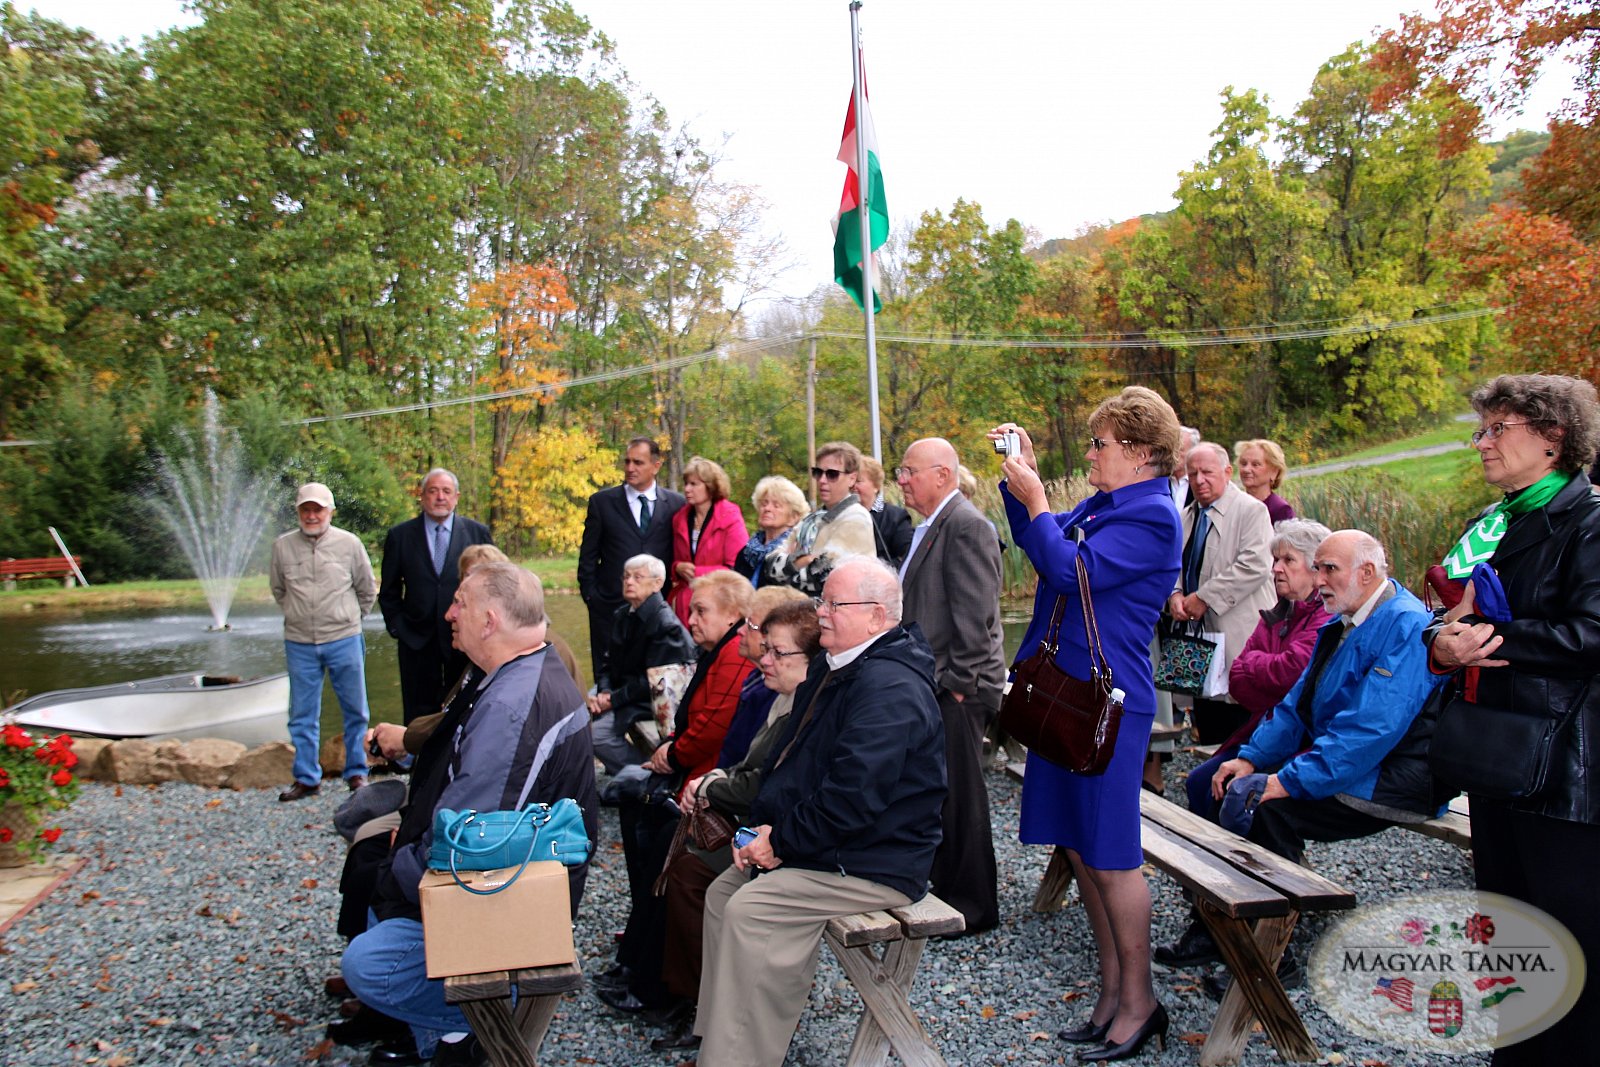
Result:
pixel 1480 928
pixel 1412 931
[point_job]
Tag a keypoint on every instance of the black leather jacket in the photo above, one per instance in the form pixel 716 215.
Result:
pixel 1549 563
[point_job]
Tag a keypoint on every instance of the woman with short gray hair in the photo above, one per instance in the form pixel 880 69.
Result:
pixel 644 633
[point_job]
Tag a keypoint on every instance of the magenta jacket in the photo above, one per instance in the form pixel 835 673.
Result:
pixel 1274 658
pixel 720 543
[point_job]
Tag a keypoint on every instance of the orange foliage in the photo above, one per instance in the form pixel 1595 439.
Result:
pixel 1549 282
pixel 521 306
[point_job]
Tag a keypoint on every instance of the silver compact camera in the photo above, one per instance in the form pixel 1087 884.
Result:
pixel 1008 445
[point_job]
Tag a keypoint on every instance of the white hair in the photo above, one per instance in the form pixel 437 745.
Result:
pixel 1190 435
pixel 431 475
pixel 1216 450
pixel 1300 536
pixel 650 565
pixel 877 582
pixel 1367 549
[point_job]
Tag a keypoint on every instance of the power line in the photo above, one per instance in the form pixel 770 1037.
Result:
pixel 1200 338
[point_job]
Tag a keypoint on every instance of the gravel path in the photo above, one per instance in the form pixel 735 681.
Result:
pixel 201 929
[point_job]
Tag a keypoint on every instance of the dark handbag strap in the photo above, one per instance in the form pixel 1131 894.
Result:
pixel 1099 668
pixel 804 719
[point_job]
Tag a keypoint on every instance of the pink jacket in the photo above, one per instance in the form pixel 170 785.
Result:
pixel 1274 658
pixel 724 535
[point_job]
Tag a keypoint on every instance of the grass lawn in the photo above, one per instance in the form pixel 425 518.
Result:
pixel 1454 433
pixel 1441 476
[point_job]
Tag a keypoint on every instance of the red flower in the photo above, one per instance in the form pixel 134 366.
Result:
pixel 15 736
pixel 5 834
pixel 51 835
pixel 1480 928
pixel 5 777
pixel 62 777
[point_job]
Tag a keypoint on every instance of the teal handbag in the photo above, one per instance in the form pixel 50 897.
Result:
pixel 495 840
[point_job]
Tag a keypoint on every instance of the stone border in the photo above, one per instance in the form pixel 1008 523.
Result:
pixel 208 761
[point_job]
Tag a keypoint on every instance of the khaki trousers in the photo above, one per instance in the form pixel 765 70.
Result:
pixel 762 937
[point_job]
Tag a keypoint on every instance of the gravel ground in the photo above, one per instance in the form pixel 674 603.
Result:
pixel 201 929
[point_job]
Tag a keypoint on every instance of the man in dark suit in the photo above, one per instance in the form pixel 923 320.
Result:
pixel 623 521
pixel 951 578
pixel 420 575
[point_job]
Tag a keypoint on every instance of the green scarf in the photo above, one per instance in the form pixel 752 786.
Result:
pixel 1483 536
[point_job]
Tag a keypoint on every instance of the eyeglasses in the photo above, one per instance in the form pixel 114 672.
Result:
pixel 1493 431
pixel 779 654
pixel 908 473
pixel 834 605
pixel 1098 444
pixel 829 474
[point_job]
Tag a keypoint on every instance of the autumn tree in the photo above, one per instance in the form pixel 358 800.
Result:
pixel 521 308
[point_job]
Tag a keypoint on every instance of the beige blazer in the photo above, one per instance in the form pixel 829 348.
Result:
pixel 1236 573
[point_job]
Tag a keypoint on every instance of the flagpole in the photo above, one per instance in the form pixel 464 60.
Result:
pixel 864 214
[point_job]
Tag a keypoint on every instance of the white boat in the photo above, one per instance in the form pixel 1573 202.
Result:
pixel 173 707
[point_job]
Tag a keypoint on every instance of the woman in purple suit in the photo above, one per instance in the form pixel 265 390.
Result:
pixel 1130 539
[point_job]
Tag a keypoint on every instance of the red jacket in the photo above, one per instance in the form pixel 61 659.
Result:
pixel 1273 659
pixel 702 721
pixel 720 543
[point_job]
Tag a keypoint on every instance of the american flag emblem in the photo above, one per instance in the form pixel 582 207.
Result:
pixel 1398 990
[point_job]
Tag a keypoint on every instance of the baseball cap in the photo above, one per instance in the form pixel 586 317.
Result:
pixel 316 492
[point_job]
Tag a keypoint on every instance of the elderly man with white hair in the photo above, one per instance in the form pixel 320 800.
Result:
pixel 847 818
pixel 1347 747
pixel 1226 580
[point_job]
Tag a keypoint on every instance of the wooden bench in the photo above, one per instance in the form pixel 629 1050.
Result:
pixel 11 570
pixel 511 1037
pixel 884 978
pixel 1250 900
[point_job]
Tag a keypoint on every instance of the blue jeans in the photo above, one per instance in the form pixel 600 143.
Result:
pixel 387 969
pixel 344 661
pixel 1198 784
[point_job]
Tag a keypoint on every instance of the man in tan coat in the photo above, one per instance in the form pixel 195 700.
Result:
pixel 1227 574
pixel 322 579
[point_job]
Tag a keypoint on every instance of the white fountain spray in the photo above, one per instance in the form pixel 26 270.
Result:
pixel 214 506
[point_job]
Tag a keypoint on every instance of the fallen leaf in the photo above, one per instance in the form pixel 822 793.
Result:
pixel 214 803
pixel 204 911
pixel 1382 1063
pixel 319 1050
pixel 163 1021
pixel 102 1045
pixel 119 1061
pixel 1038 1035
pixel 1192 1038
pixel 1024 1016
pixel 24 987
pixel 309 883
pixel 988 1011
pixel 241 958
pixel 92 894
pixel 285 1020
pixel 1070 995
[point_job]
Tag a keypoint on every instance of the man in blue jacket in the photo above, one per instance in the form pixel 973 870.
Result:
pixel 848 818
pixel 1348 746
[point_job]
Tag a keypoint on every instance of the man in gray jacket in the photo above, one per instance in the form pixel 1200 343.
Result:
pixel 322 579
pixel 952 591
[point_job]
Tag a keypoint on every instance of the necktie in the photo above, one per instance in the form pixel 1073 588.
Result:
pixel 644 514
pixel 441 545
pixel 1196 550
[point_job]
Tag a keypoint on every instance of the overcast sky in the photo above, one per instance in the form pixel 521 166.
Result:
pixel 1059 113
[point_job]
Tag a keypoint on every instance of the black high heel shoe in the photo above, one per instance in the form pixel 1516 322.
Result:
pixel 1154 1027
pixel 1086 1034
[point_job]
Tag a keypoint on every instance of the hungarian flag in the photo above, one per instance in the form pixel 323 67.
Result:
pixel 847 257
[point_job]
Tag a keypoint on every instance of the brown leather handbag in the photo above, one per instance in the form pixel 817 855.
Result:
pixel 1068 721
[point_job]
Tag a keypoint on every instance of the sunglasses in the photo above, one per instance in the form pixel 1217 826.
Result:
pixel 820 474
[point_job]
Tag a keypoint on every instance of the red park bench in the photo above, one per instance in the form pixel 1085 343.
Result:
pixel 49 567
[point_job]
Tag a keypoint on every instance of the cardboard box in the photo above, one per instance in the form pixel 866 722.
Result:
pixel 527 925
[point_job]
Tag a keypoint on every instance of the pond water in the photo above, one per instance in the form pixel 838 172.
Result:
pixel 51 650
